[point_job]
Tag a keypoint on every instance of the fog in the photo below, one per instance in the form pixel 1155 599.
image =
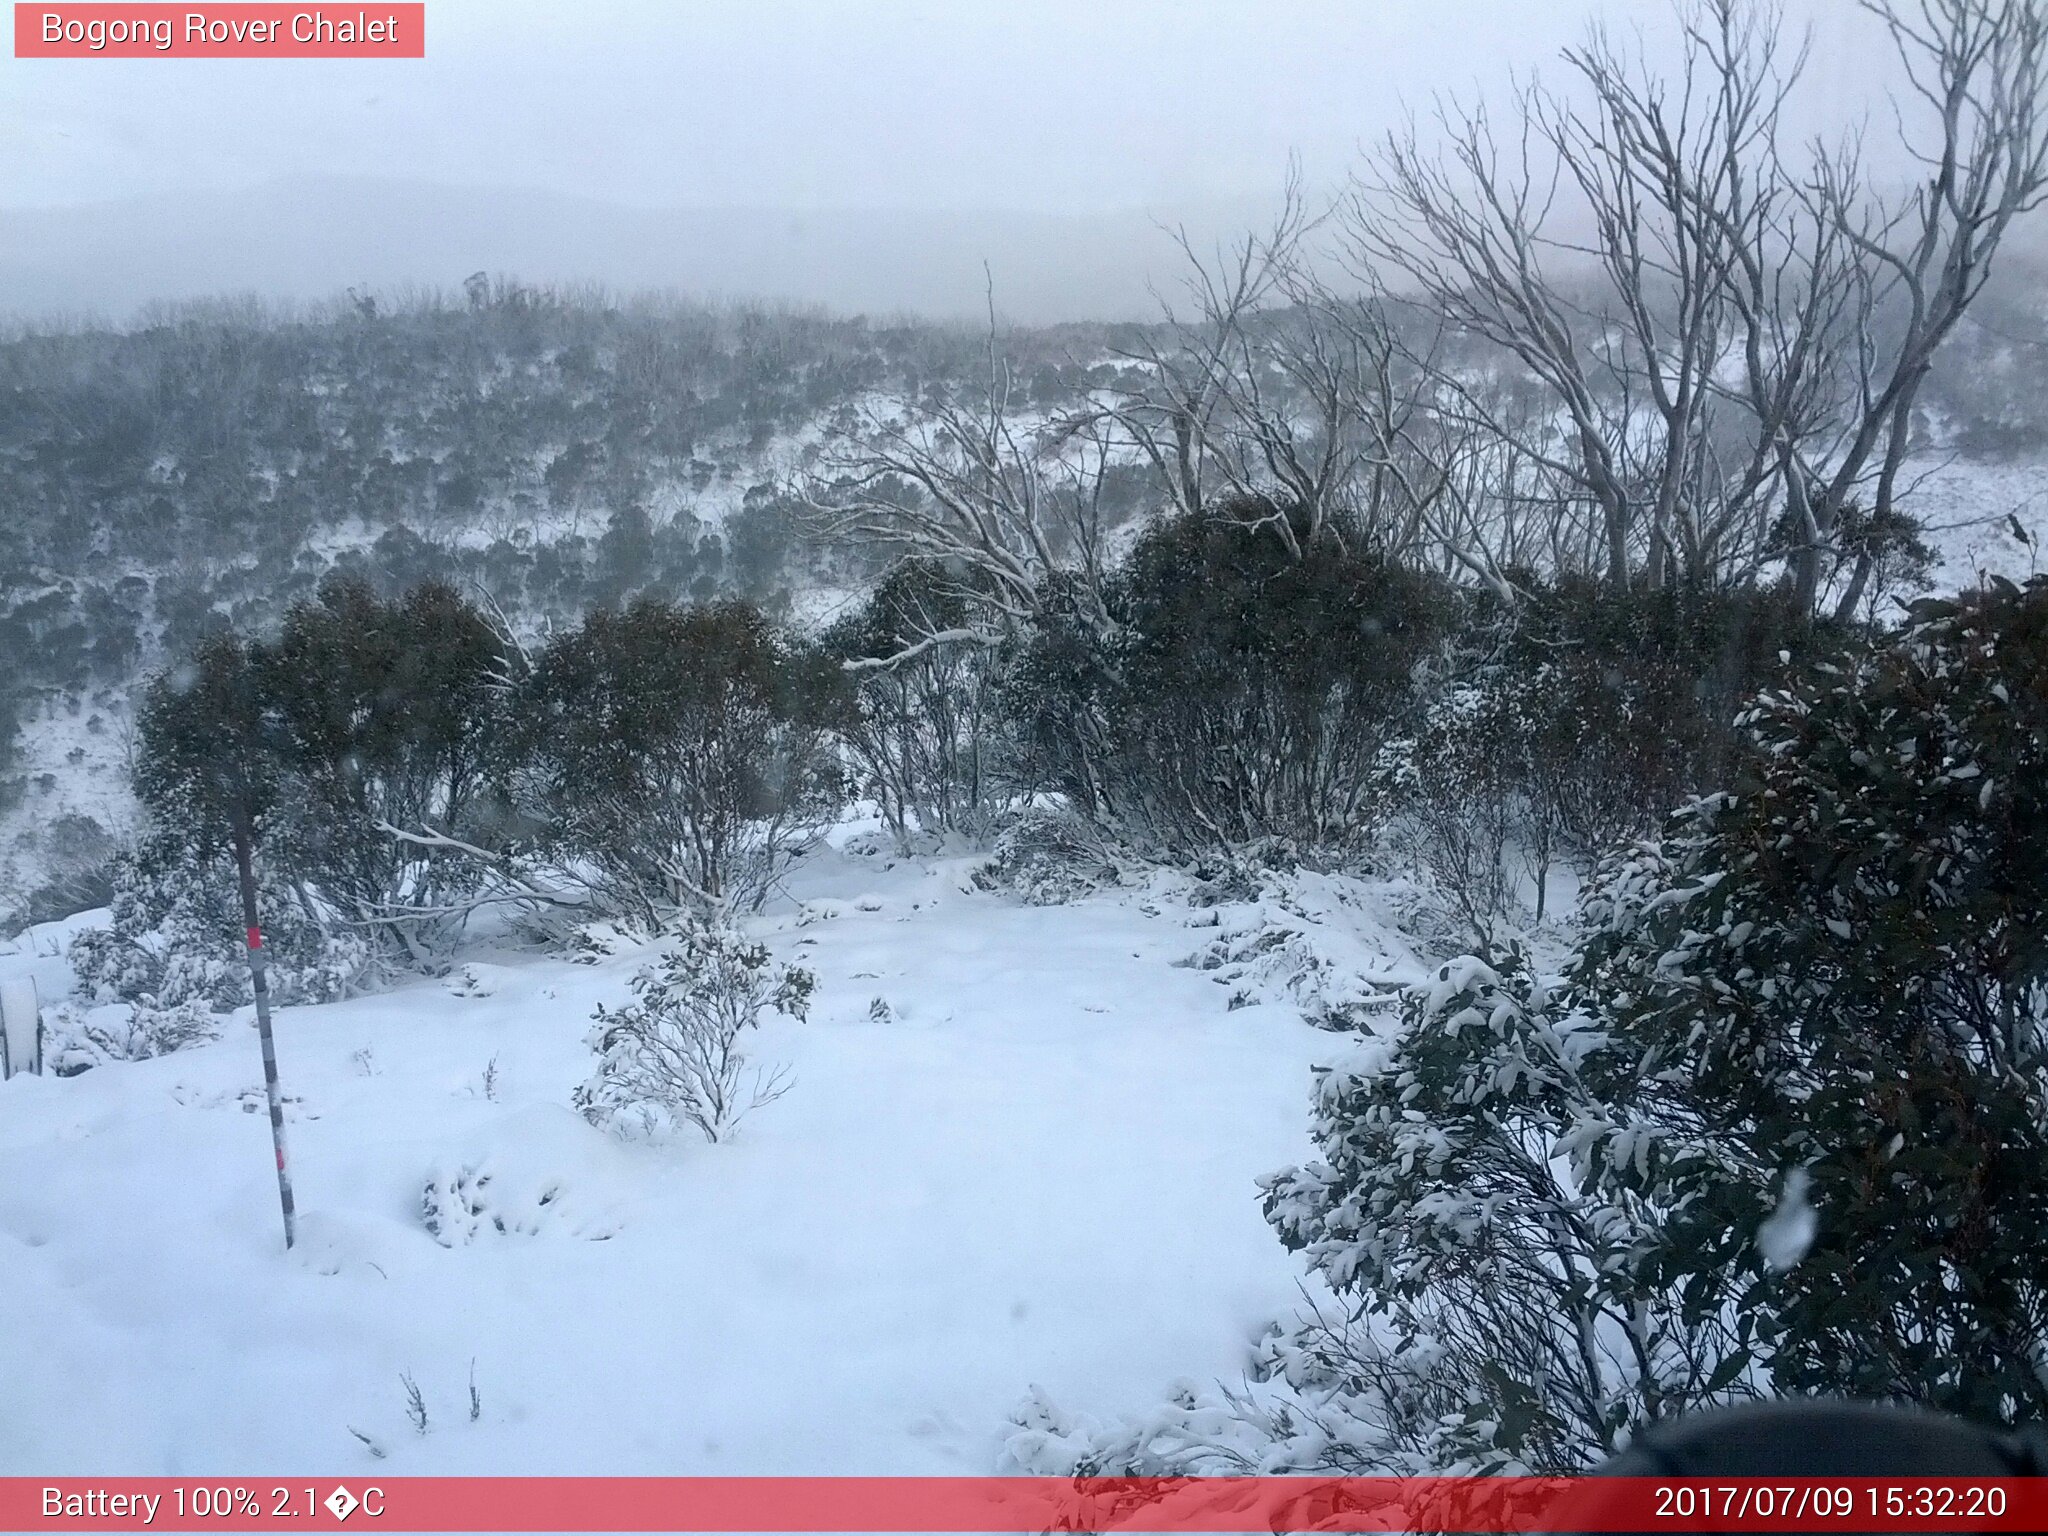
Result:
pixel 865 155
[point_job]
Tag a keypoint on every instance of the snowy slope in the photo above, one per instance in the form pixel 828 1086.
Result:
pixel 1969 509
pixel 1034 1165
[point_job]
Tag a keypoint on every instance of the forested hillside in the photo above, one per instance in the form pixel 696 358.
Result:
pixel 551 451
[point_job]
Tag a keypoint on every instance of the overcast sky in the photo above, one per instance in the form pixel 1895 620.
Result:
pixel 1054 105
pixel 1074 107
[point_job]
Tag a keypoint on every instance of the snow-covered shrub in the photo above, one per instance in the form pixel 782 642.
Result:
pixel 176 937
pixel 126 1032
pixel 1496 1195
pixel 1631 698
pixel 1514 770
pixel 588 943
pixel 1266 1425
pixel 675 1055
pixel 470 981
pixel 76 852
pixel 1579 721
pixel 1456 788
pixel 1320 943
pixel 1183 1437
pixel 1048 855
pixel 1842 964
pixel 457 1205
pixel 1783 1122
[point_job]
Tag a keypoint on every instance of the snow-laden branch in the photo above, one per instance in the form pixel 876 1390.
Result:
pixel 912 652
pixel 512 887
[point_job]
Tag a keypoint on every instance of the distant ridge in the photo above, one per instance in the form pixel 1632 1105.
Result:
pixel 312 239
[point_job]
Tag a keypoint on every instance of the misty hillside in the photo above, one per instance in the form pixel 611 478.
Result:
pixel 556 450
pixel 310 238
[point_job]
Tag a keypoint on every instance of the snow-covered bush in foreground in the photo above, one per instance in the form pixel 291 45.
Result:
pixel 674 1055
pixel 1495 1197
pixel 1049 855
pixel 1842 967
pixel 125 1032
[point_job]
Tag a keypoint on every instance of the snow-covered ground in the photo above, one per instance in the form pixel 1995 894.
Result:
pixel 76 764
pixel 1973 514
pixel 1034 1164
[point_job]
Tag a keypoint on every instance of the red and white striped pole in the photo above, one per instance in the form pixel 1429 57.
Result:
pixel 245 871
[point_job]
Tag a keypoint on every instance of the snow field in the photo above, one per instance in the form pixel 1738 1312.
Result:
pixel 1034 1165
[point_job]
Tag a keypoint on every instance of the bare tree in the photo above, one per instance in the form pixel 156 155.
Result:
pixel 1623 330
pixel 1266 385
pixel 1175 419
pixel 974 486
pixel 1977 74
pixel 1730 352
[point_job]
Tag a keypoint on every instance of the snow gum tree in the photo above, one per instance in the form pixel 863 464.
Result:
pixel 680 756
pixel 387 720
pixel 1243 692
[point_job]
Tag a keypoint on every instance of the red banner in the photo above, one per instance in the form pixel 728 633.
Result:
pixel 925 1504
pixel 239 31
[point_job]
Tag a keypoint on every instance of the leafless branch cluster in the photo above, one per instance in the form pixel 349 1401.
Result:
pixel 979 488
pixel 1726 332
pixel 1625 327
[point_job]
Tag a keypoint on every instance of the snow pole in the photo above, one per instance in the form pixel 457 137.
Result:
pixel 245 870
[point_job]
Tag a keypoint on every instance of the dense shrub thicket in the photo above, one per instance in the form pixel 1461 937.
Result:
pixel 1242 690
pixel 1782 1123
pixel 174 938
pixel 402 762
pixel 679 757
pixel 396 766
pixel 214 463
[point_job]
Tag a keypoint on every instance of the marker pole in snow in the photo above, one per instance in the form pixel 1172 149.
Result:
pixel 258 963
